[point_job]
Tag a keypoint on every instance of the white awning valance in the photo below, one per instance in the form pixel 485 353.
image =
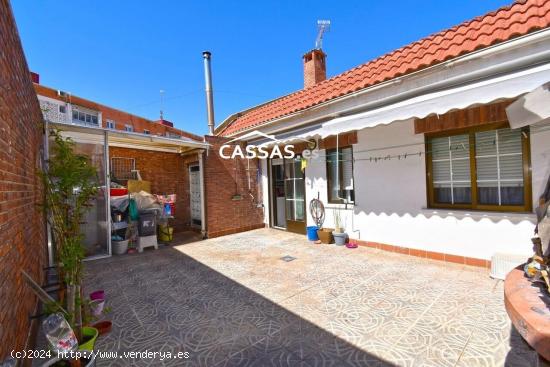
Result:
pixel 440 102
pixel 532 108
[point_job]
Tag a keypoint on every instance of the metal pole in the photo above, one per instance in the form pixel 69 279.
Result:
pixel 107 179
pixel 209 92
pixel 203 199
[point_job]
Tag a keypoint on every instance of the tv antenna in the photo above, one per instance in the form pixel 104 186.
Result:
pixel 322 27
pixel 161 103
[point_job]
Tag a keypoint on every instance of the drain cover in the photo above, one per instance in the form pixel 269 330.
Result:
pixel 288 258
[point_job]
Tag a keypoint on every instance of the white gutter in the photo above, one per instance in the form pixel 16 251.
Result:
pixel 451 82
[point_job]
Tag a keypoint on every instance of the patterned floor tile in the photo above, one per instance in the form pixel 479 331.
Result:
pixel 231 301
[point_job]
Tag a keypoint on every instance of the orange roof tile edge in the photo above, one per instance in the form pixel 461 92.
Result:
pixel 520 18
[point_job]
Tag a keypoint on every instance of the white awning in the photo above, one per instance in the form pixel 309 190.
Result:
pixel 440 102
pixel 532 108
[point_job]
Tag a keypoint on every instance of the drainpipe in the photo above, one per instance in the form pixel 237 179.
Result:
pixel 203 201
pixel 209 93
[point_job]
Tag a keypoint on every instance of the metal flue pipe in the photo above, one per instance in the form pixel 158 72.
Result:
pixel 209 92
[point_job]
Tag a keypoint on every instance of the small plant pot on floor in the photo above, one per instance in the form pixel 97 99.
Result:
pixel 340 238
pixel 325 235
pixel 120 247
pixel 97 306
pixel 99 294
pixel 103 327
pixel 89 336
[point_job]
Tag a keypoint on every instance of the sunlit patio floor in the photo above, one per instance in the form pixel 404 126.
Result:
pixel 232 301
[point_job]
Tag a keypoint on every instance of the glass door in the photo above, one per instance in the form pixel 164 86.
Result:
pixel 294 195
pixel 95 226
pixel 278 214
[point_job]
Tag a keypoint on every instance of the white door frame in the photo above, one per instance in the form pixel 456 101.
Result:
pixel 193 171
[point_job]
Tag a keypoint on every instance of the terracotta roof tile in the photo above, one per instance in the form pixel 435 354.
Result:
pixel 501 25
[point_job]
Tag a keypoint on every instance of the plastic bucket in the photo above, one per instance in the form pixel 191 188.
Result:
pixel 166 233
pixel 120 247
pixel 312 233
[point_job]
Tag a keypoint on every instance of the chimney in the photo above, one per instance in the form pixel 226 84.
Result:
pixel 315 68
pixel 35 77
pixel 209 93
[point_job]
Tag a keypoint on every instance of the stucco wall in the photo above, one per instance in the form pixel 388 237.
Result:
pixel 391 199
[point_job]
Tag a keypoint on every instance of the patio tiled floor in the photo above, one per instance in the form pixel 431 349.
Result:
pixel 231 301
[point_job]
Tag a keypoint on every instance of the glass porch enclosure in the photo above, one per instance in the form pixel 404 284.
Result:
pixel 96 229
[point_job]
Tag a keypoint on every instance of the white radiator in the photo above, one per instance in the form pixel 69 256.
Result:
pixel 502 264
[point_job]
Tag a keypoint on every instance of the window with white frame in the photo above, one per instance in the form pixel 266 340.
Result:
pixel 340 175
pixel 481 168
pixel 110 124
pixel 84 118
pixel 128 128
pixel 146 132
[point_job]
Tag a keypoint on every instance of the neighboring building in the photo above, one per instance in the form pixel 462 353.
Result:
pixel 416 151
pixel 62 107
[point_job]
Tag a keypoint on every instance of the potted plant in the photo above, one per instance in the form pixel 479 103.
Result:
pixel 339 234
pixel 70 185
pixel 325 235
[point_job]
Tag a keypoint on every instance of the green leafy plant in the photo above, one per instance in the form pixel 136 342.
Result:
pixel 70 184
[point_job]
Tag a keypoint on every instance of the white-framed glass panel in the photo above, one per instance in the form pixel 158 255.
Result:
pixel 294 190
pixel 95 228
pixel 451 169
pixel 499 167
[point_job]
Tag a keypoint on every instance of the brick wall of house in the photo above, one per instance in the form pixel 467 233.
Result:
pixel 225 178
pixel 22 240
pixel 168 174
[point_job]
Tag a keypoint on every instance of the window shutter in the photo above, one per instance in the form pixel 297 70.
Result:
pixel 347 169
pixel 499 160
pixel 451 169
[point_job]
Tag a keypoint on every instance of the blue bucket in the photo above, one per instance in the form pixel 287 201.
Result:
pixel 312 233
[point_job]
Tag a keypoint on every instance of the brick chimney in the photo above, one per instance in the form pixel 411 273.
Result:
pixel 315 69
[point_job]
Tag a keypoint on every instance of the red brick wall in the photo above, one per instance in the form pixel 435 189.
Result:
pixel 315 69
pixel 225 178
pixel 22 243
pixel 168 174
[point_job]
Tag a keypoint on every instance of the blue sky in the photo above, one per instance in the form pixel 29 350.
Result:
pixel 121 53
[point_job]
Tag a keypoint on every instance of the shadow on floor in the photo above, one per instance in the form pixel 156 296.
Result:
pixel 185 237
pixel 521 354
pixel 166 301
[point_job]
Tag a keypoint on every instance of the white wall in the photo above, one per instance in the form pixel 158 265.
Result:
pixel 391 199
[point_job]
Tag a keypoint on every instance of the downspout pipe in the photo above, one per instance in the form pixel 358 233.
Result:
pixel 209 92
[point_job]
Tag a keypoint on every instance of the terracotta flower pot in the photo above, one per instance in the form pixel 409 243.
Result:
pixel 325 235
pixel 103 327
